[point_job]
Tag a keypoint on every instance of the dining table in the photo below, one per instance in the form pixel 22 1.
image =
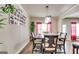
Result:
pixel 51 37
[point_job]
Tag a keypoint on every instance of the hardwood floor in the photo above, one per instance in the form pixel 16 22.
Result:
pixel 28 48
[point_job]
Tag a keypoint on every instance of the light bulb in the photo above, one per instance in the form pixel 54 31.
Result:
pixel 47 19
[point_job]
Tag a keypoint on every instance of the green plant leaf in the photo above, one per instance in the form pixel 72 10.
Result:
pixel 32 27
pixel 2 19
pixel 8 8
pixel 2 24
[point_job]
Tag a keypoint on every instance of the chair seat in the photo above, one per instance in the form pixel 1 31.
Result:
pixel 76 44
pixel 36 49
pixel 60 42
pixel 37 41
pixel 49 49
pixel 47 44
pixel 61 37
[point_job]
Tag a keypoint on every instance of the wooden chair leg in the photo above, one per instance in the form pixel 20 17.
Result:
pixel 64 50
pixel 34 45
pixel 77 50
pixel 41 49
pixel 56 50
pixel 32 50
pixel 60 47
pixel 73 50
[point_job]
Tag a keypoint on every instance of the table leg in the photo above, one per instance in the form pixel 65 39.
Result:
pixel 50 42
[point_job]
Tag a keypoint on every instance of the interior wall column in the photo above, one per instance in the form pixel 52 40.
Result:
pixel 60 24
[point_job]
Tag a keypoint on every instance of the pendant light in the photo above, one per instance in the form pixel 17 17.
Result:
pixel 47 18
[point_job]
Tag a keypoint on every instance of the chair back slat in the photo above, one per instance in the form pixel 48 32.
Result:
pixel 63 37
pixel 49 40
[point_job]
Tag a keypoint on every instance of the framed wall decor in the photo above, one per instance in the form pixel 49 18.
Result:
pixel 17 17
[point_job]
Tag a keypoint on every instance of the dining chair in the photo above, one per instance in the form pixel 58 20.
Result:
pixel 75 46
pixel 37 44
pixel 61 41
pixel 47 48
pixel 59 34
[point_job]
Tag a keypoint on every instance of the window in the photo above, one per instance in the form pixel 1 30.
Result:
pixel 38 27
pixel 77 30
pixel 43 27
pixel 73 31
pixel 49 27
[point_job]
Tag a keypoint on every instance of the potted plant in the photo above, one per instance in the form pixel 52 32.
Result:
pixel 32 27
pixel 8 8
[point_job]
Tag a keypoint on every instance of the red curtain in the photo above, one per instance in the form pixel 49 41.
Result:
pixel 37 25
pixel 73 30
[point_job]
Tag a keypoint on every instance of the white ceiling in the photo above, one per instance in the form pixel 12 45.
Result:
pixel 39 10
pixel 73 12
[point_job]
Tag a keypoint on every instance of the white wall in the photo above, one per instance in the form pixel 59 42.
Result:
pixel 15 37
pixel 60 24
pixel 4 34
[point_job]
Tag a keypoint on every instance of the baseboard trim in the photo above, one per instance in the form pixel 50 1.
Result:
pixel 19 51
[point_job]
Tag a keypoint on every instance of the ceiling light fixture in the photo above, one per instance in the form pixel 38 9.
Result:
pixel 47 18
